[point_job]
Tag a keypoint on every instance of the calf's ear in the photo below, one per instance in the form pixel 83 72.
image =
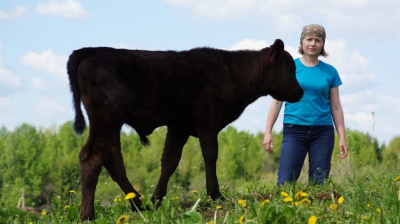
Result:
pixel 275 50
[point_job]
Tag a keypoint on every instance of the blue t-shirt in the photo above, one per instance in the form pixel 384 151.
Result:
pixel 314 108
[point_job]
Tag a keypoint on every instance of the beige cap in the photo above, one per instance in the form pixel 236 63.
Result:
pixel 313 30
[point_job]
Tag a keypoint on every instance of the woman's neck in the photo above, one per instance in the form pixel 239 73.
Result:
pixel 309 61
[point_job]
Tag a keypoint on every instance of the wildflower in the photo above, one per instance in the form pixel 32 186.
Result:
pixel 295 203
pixel 117 199
pixel 30 223
pixel 304 194
pixel 378 210
pixel 305 201
pixel 130 196
pixel 72 191
pixel 366 217
pixel 44 213
pixel 333 207
pixel 368 205
pixel 211 222
pixel 396 179
pixel 241 219
pixel 312 219
pixel 298 194
pixel 122 219
pixel 265 201
pixel 284 194
pixel 67 207
pixel 340 200
pixel 242 203
pixel 176 198
pixel 219 207
pixel 195 192
pixel 288 199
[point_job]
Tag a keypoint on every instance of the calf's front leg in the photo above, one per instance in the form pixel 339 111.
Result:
pixel 171 156
pixel 209 149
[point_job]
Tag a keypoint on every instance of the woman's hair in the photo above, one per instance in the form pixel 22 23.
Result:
pixel 322 53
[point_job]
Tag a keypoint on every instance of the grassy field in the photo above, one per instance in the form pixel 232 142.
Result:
pixel 362 198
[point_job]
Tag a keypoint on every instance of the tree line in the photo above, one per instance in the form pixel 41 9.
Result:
pixel 45 162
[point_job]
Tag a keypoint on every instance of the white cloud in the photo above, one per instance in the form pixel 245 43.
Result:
pixel 365 16
pixel 14 13
pixel 250 44
pixel 216 9
pixel 353 68
pixel 6 121
pixel 9 79
pixel 48 108
pixel 5 103
pixel 47 61
pixel 64 8
pixel 38 83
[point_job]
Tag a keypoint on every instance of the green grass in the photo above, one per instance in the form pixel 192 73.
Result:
pixel 367 199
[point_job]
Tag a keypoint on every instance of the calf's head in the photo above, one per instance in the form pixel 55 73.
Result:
pixel 282 74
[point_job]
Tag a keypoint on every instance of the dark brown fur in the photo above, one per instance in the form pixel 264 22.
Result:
pixel 194 93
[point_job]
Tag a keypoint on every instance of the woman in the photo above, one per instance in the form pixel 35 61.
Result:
pixel 307 124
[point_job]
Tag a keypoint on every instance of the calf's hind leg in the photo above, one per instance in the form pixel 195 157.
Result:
pixel 90 167
pixel 171 156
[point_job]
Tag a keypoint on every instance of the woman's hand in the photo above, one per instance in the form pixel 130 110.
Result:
pixel 268 143
pixel 343 149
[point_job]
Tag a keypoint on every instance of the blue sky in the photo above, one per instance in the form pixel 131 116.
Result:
pixel 36 38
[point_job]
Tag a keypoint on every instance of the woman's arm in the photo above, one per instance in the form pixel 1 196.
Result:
pixel 273 114
pixel 338 120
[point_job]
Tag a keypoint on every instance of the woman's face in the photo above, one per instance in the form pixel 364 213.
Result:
pixel 312 45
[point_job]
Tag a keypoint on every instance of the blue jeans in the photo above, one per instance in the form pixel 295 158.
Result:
pixel 298 140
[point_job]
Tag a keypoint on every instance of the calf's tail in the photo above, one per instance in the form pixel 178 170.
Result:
pixel 72 69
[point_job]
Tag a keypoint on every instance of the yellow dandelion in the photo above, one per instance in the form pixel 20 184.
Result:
pixel 379 210
pixel 340 200
pixel 44 213
pixel 265 201
pixel 284 194
pixel 176 198
pixel 366 217
pixel 241 219
pixel 305 201
pixel 312 219
pixel 218 207
pixel 195 192
pixel 122 219
pixel 242 203
pixel 368 205
pixel 304 194
pixel 333 207
pixel 288 199
pixel 211 222
pixel 130 196
pixel 295 203
pixel 298 194
pixel 117 199
pixel 72 191
pixel 30 222
pixel 67 207
pixel 396 179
